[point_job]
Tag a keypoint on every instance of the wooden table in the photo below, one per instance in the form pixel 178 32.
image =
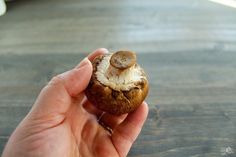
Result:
pixel 187 48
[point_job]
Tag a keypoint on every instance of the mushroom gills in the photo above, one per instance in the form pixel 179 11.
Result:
pixel 118 79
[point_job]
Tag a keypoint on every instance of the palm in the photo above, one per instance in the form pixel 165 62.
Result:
pixel 85 140
pixel 71 130
pixel 80 136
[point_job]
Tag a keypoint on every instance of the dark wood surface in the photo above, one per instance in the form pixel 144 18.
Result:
pixel 188 49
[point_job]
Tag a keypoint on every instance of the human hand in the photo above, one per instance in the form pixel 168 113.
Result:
pixel 63 123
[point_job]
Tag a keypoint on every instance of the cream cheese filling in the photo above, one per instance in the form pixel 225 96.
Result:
pixel 116 79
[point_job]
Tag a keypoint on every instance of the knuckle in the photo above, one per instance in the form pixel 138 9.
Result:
pixel 56 80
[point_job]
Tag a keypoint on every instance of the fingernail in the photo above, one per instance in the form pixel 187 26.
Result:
pixel 84 62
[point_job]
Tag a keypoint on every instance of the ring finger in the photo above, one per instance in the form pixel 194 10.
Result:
pixel 112 120
pixel 107 119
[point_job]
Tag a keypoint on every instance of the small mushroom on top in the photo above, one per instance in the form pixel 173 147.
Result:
pixel 118 84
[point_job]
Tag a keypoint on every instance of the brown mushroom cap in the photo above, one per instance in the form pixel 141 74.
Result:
pixel 118 98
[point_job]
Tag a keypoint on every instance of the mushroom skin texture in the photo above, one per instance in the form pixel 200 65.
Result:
pixel 107 91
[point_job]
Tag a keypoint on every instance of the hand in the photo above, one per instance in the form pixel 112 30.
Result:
pixel 62 122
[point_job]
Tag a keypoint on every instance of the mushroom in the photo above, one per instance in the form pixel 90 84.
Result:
pixel 118 84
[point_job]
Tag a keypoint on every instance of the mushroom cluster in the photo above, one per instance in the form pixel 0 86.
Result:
pixel 118 84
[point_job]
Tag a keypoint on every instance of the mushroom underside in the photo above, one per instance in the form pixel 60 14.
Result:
pixel 115 102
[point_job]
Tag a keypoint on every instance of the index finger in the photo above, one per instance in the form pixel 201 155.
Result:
pixel 96 53
pixel 87 105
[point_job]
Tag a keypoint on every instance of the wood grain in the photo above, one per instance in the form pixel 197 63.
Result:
pixel 151 26
pixel 186 47
pixel 192 102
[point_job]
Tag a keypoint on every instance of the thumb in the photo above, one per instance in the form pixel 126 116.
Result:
pixel 56 96
pixel 76 80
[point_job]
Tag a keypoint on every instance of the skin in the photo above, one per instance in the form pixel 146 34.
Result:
pixel 62 122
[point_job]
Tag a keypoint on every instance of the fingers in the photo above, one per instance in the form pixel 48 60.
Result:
pixel 77 79
pixel 112 121
pixel 73 81
pixel 90 108
pixel 126 133
pixel 87 105
pixel 56 96
pixel 108 119
pixel 96 53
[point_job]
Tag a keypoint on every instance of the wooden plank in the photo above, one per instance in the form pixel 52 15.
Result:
pixel 145 26
pixel 192 99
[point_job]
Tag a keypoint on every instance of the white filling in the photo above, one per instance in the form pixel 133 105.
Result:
pixel 124 81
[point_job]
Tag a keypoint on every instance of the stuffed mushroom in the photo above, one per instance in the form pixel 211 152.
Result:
pixel 118 84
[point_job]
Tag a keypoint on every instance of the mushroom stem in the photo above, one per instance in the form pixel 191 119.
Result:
pixel 112 71
pixel 120 62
